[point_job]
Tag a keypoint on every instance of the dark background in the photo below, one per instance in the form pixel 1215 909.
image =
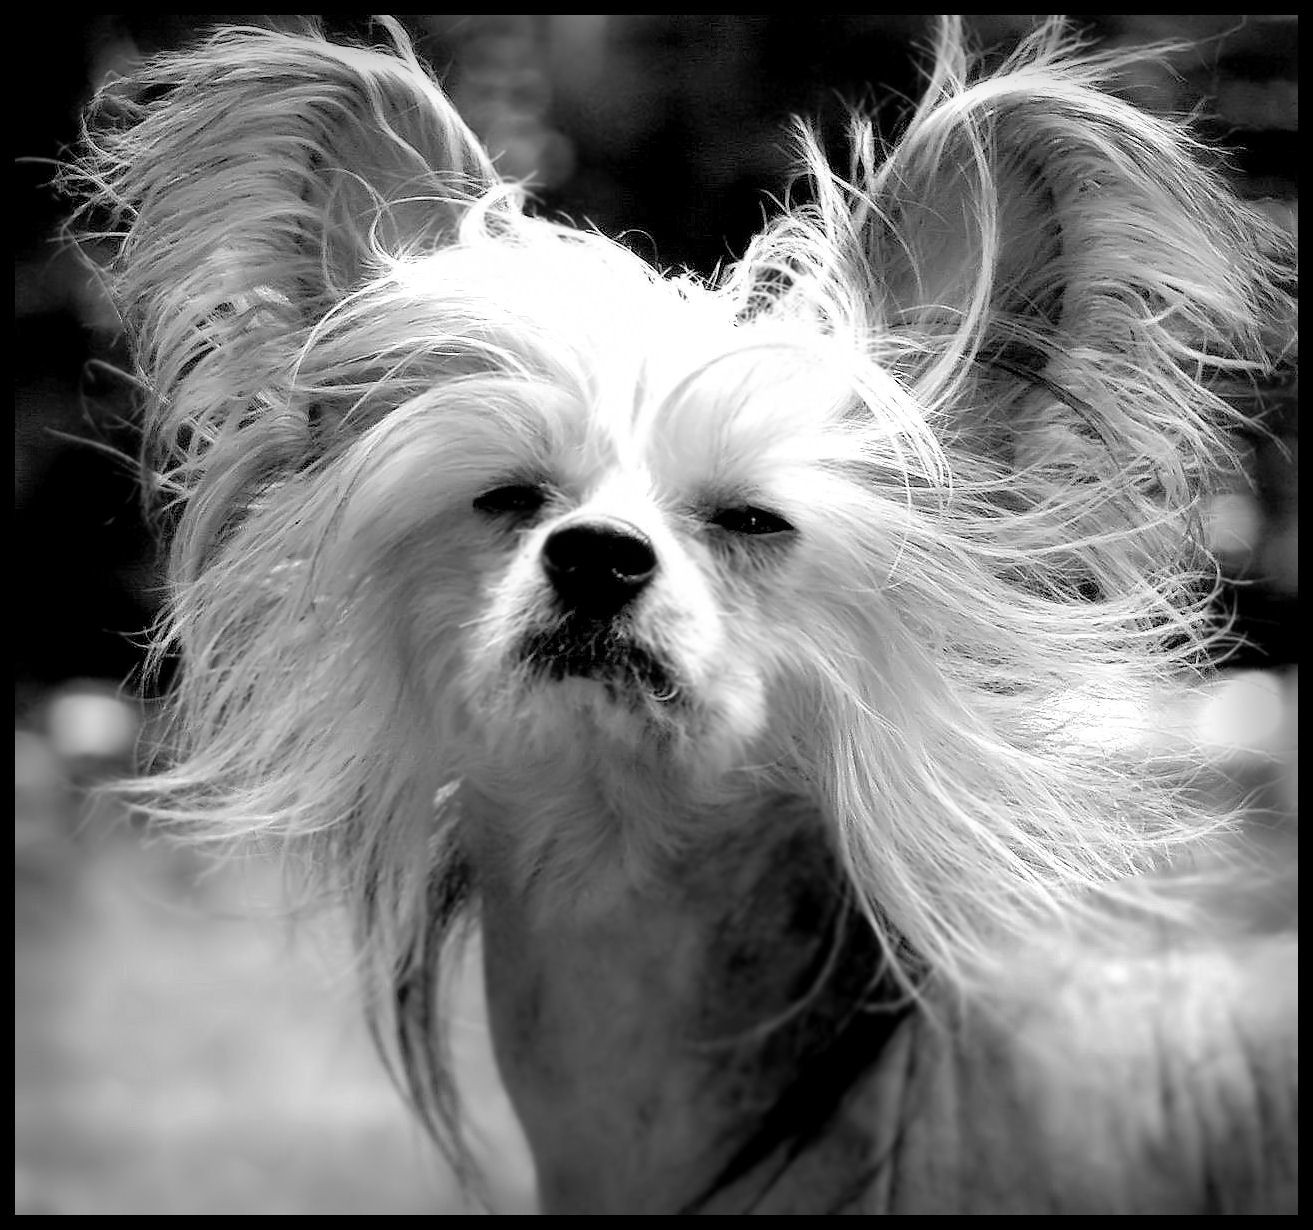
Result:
pixel 169 1062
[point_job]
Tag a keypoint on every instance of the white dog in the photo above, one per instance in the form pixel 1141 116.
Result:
pixel 726 647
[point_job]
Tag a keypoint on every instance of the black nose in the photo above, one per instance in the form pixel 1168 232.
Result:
pixel 598 567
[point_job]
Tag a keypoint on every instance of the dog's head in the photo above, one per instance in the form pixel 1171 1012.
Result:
pixel 469 496
pixel 594 501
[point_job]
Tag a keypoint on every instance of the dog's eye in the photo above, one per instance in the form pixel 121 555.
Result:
pixel 749 520
pixel 516 499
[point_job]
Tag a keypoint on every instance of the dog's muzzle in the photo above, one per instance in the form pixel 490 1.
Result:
pixel 597 569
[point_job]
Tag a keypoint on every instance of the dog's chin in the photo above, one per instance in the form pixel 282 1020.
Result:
pixel 569 696
pixel 576 693
pixel 630 676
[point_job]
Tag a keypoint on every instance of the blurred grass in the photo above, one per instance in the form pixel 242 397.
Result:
pixel 177 1053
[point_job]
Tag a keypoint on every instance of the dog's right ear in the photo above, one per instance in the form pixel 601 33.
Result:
pixel 243 188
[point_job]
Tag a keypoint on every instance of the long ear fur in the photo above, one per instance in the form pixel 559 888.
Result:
pixel 252 184
pixel 1051 268
pixel 1030 222
pixel 245 191
pixel 1065 295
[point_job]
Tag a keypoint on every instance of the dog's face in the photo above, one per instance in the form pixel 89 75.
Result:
pixel 619 529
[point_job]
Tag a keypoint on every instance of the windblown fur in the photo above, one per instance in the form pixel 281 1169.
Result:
pixel 922 472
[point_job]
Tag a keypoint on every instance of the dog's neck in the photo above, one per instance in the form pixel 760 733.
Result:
pixel 718 1041
pixel 676 1045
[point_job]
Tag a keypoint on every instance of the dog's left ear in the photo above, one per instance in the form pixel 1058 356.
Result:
pixel 1056 270
pixel 246 187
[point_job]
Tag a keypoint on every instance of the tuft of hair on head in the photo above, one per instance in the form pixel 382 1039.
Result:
pixel 1070 300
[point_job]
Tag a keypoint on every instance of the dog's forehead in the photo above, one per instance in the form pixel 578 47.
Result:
pixel 724 410
pixel 682 362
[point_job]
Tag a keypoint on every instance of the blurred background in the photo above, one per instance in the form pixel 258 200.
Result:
pixel 177 1051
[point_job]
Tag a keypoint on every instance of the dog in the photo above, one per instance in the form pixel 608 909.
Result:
pixel 723 650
